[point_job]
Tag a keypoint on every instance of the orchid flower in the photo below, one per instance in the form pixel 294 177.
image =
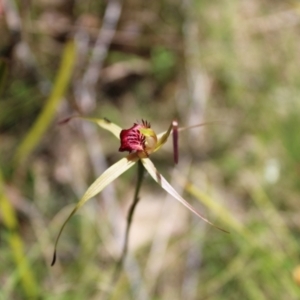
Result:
pixel 140 141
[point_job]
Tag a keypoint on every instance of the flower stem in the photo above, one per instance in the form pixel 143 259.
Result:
pixel 140 175
pixel 120 262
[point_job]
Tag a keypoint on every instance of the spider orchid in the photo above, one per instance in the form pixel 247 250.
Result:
pixel 140 141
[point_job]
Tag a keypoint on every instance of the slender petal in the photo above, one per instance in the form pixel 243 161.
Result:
pixel 108 125
pixel 200 125
pixel 99 184
pixel 163 137
pixel 165 134
pixel 104 123
pixel 167 187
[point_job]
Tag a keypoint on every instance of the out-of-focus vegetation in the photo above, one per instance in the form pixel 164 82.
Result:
pixel 236 62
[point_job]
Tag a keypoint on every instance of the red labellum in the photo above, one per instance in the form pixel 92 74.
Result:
pixel 133 140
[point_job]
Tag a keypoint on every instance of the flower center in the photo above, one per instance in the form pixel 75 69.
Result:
pixel 139 138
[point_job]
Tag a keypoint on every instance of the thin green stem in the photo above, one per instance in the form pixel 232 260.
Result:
pixel 120 262
pixel 140 175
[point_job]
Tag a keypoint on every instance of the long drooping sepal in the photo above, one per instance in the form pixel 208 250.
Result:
pixel 167 187
pixel 102 122
pixel 99 184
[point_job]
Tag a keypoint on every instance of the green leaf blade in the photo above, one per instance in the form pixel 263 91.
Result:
pixel 44 119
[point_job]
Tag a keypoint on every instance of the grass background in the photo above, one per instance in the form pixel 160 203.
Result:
pixel 231 61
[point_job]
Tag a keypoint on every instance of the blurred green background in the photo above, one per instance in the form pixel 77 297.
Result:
pixel 235 62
